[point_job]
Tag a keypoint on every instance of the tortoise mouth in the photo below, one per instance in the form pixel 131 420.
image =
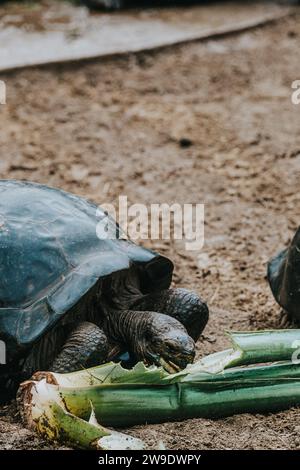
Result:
pixel 169 366
pixel 173 364
pixel 177 363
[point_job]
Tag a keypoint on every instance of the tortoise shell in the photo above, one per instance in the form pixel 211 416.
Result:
pixel 51 255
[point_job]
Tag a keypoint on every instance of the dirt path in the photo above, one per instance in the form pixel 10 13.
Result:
pixel 116 127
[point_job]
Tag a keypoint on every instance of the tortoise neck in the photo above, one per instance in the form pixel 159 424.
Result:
pixel 127 327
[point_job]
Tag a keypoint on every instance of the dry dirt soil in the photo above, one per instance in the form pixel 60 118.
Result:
pixel 205 122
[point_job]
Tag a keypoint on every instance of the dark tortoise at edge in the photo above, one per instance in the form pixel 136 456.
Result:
pixel 69 299
pixel 284 278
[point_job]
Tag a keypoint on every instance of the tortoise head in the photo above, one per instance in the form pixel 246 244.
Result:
pixel 166 342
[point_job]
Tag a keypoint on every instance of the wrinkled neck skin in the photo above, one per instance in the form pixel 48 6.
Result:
pixel 121 324
pixel 127 327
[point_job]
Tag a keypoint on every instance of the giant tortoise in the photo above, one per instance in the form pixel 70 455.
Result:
pixel 70 299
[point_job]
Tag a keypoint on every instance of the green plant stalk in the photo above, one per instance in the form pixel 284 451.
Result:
pixel 43 410
pixel 124 406
pixel 264 346
pixel 261 388
pixel 111 373
pixel 81 434
pixel 246 376
pixel 59 425
pixel 219 385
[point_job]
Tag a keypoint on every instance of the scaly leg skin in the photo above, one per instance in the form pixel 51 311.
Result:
pixel 184 305
pixel 87 346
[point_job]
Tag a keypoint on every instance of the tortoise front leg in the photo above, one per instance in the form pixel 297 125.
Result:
pixel 184 305
pixel 86 346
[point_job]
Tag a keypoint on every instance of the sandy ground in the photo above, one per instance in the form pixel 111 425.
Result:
pixel 118 127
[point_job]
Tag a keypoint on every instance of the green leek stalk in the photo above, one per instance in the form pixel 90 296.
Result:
pixel 254 348
pixel 43 409
pixel 221 384
pixel 198 394
pixel 265 346
pixel 261 388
